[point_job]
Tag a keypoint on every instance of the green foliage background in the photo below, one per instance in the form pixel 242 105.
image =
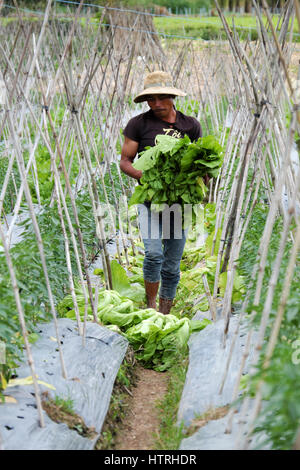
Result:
pixel 173 5
pixel 280 417
pixel 28 267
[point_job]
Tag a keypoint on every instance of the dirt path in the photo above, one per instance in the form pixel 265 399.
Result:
pixel 142 423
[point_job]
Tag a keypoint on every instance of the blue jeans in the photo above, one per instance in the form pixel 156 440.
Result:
pixel 164 240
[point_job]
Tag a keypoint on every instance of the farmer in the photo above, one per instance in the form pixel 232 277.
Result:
pixel 162 254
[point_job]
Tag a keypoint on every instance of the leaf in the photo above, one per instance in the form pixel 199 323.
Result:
pixel 210 164
pixel 33 337
pixel 180 143
pixel 222 283
pixel 3 382
pixel 151 193
pixel 185 197
pixel 98 271
pixel 119 277
pixel 122 284
pixel 201 186
pixel 28 381
pixel 147 159
pixel 138 196
pixel 214 172
pixel 238 286
pixel 210 143
pixel 209 242
pixel 41 382
pixel 167 143
pixel 189 157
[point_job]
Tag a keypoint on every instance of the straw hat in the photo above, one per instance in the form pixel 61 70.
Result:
pixel 157 83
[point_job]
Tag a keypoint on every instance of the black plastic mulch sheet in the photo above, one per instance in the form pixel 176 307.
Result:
pixel 91 372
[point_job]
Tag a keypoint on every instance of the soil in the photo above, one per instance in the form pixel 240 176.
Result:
pixel 60 415
pixel 211 414
pixel 140 427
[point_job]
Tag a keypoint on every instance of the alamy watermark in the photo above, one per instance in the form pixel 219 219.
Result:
pixel 296 353
pixel 2 353
pixel 159 221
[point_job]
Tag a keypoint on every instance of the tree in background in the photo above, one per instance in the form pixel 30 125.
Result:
pixel 30 4
pixel 236 6
pixel 174 6
pixel 170 5
pixel 248 6
pixel 245 6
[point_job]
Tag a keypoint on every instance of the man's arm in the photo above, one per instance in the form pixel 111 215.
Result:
pixel 129 151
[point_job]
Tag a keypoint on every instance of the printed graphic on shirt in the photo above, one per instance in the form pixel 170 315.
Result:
pixel 174 133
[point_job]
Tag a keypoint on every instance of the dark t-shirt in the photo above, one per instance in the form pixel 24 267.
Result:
pixel 146 126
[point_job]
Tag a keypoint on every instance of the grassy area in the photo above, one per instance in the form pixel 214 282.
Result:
pixel 170 434
pixel 210 27
pixel 205 27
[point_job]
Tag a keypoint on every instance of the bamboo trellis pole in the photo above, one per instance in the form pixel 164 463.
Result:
pixel 236 388
pixel 23 328
pixel 38 237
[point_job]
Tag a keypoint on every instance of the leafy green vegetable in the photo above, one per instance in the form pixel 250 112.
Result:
pixel 156 337
pixel 173 170
pixel 122 285
pixel 239 288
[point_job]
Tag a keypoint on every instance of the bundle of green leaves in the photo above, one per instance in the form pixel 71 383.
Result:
pixel 173 170
pixel 156 338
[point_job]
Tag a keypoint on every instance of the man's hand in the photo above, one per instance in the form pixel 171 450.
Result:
pixel 129 151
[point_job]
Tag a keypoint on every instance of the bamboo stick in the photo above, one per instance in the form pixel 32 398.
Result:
pixel 23 328
pixel 211 303
pixel 39 240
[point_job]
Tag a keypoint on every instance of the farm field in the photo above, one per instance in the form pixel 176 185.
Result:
pixel 73 316
pixel 207 28
pixel 211 27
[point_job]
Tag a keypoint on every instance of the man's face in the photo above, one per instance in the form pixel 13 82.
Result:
pixel 161 105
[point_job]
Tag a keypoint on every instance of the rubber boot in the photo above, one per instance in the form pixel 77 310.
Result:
pixel 165 305
pixel 151 289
